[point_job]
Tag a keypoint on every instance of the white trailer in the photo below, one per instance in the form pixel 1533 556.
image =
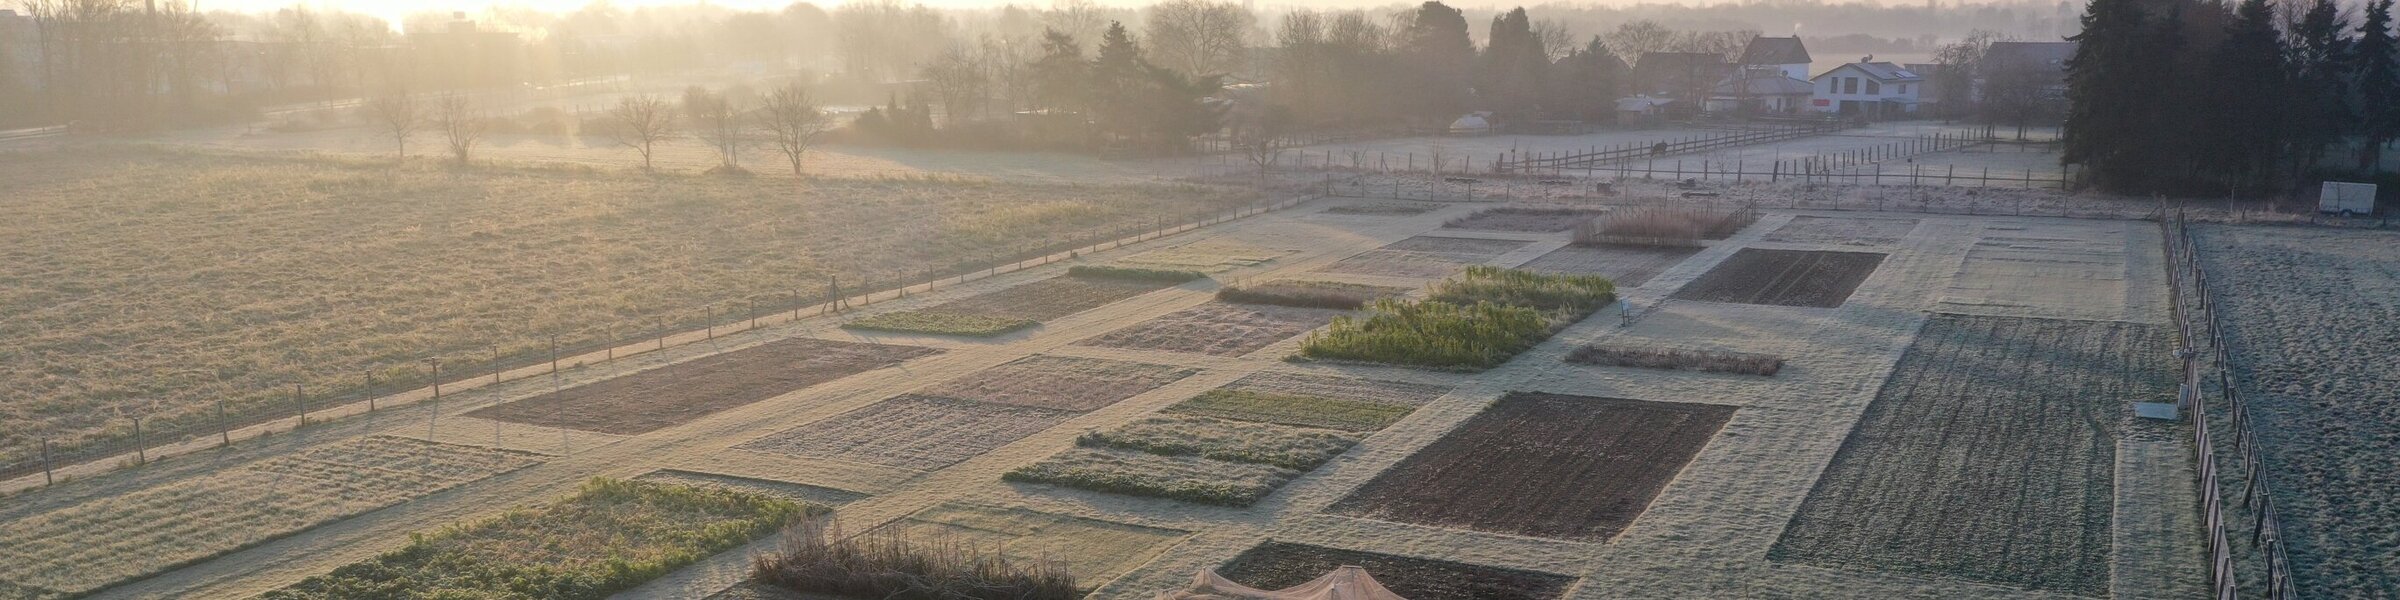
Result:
pixel 2346 199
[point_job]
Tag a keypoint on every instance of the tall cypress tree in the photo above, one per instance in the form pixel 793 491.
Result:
pixel 2378 83
pixel 2107 109
pixel 2320 64
pixel 2251 100
pixel 1514 65
pixel 1435 50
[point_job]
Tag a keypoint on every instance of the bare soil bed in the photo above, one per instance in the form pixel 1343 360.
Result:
pixel 1543 465
pixel 1628 266
pixel 1989 455
pixel 140 267
pixel 1277 565
pixel 913 432
pixel 1060 382
pixel 1536 220
pixel 2309 318
pixel 1381 209
pixel 1013 308
pixel 1806 278
pixel 1217 328
pixel 796 492
pixel 1847 231
pixel 1311 401
pixel 1423 257
pixel 678 393
pixel 1092 550
pixel 94 545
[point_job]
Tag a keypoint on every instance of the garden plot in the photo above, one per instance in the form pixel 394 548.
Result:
pixel 1235 444
pixel 1217 328
pixel 1092 550
pixel 1806 278
pixel 1988 455
pixel 1534 220
pixel 1845 231
pixel 1214 255
pixel 1628 266
pixel 795 492
pixel 1424 257
pixel 610 536
pixel 93 545
pixel 1381 209
pixel 1060 382
pixel 1278 565
pixel 2055 272
pixel 913 432
pixel 1011 309
pixel 2309 319
pixel 1543 465
pixel 679 393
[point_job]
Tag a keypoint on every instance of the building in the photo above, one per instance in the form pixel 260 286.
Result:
pixel 1785 54
pixel 1763 89
pixel 1875 90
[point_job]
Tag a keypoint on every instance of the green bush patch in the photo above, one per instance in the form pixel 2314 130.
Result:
pixel 609 537
pixel 1136 473
pixel 1296 410
pixel 941 323
pixel 1477 321
pixel 1134 273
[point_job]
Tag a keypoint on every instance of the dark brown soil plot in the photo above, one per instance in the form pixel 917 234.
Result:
pixel 1628 266
pixel 1218 328
pixel 678 393
pixel 1051 298
pixel 1424 256
pixel 1060 382
pixel 1380 210
pixel 1989 454
pixel 1524 219
pixel 1364 390
pixel 913 432
pixel 1544 465
pixel 1278 565
pixel 1808 278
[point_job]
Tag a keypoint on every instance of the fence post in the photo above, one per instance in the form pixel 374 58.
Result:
pixel 554 354
pixel 141 447
pixel 300 399
pixel 370 390
pixel 711 322
pixel 437 376
pixel 46 480
pixel 224 433
pixel 495 363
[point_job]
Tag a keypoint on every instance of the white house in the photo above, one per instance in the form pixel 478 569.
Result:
pixel 1869 89
pixel 1784 54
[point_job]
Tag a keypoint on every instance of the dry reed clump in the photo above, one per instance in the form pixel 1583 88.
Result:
pixel 1678 359
pixel 1260 443
pixel 1664 226
pixel 1307 294
pixel 891 563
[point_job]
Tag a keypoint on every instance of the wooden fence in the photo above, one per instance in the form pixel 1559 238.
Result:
pixel 1564 161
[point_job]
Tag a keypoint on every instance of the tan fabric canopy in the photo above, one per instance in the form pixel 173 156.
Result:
pixel 1346 583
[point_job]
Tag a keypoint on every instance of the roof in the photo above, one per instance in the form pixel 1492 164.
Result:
pixel 1775 51
pixel 1881 71
pixel 2052 54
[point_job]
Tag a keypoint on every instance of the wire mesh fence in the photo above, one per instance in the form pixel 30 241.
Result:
pixel 144 436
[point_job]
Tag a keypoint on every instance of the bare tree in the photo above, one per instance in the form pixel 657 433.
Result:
pixel 1556 41
pixel 1198 37
pixel 793 120
pixel 395 113
pixel 716 120
pixel 641 122
pixel 460 124
pixel 958 79
pixel 1261 134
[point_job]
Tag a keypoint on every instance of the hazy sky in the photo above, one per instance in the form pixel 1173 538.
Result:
pixel 394 9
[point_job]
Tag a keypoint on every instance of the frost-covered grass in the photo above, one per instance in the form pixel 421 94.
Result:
pixel 1293 409
pixel 1308 294
pixel 896 563
pixel 1260 443
pixel 610 536
pixel 1136 473
pixel 1678 359
pixel 940 323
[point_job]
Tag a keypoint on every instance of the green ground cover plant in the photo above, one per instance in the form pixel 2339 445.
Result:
pixel 608 537
pixel 1261 443
pixel 1476 321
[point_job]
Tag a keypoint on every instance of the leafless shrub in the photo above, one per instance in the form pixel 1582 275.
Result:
pixel 1678 359
pixel 641 122
pixel 1664 226
pixel 894 563
pixel 460 123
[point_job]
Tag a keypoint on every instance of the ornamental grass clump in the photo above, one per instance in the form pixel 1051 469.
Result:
pixel 896 563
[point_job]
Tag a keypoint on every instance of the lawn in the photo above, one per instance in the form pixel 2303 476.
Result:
pixel 153 283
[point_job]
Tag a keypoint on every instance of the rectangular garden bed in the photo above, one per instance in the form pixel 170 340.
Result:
pixel 913 432
pixel 1060 382
pixel 1278 565
pixel 1808 278
pixel 1628 266
pixel 1537 220
pixel 679 393
pixel 1003 311
pixel 1217 328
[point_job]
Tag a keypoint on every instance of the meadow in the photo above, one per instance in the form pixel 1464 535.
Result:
pixel 154 282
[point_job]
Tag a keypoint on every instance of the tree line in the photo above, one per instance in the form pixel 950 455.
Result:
pixel 2197 97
